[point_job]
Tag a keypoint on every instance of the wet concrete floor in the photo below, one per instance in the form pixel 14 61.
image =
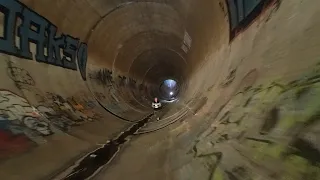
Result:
pixel 100 157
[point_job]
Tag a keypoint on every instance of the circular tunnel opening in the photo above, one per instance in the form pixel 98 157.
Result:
pixel 169 89
pixel 137 59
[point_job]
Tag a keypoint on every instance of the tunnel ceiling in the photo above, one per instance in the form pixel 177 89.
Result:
pixel 144 51
pixel 136 38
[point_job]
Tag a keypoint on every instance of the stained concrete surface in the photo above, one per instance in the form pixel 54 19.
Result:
pixel 248 109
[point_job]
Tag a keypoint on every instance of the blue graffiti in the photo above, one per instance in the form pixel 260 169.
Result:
pixel 37 29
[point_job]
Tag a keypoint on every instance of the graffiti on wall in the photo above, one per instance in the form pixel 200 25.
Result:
pixel 26 123
pixel 121 81
pixel 17 110
pixel 12 139
pixel 132 83
pixel 20 76
pixel 78 108
pixel 36 29
pixel 21 124
pixel 29 116
pixel 242 13
pixel 275 127
pixel 122 84
pixel 103 77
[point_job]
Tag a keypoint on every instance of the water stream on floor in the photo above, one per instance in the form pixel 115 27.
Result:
pixel 100 157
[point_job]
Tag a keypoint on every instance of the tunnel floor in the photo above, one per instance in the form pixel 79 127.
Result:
pixel 95 160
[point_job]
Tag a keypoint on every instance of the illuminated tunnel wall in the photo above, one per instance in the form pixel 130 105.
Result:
pixel 75 74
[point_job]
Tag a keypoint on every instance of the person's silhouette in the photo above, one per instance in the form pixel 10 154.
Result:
pixel 156 105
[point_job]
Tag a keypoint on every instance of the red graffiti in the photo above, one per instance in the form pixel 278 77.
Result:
pixel 11 145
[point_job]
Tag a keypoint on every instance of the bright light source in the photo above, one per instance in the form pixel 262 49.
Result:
pixel 171 93
pixel 170 83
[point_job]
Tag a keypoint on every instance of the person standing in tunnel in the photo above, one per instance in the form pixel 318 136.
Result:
pixel 156 105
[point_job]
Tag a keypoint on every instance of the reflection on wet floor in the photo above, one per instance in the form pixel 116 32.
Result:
pixel 95 160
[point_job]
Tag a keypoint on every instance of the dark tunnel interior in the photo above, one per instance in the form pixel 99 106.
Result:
pixel 239 83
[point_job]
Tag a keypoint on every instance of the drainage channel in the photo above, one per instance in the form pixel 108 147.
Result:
pixel 94 161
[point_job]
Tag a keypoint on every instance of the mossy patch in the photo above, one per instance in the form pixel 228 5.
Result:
pixel 287 122
pixel 270 121
pixel 257 149
pixel 295 167
pixel 275 151
pixel 218 175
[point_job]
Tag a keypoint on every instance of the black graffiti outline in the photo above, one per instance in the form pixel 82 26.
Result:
pixel 12 73
pixel 14 10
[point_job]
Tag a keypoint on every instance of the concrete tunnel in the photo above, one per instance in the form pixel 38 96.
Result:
pixel 78 78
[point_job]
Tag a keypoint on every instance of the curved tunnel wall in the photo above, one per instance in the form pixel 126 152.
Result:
pixel 238 98
pixel 76 86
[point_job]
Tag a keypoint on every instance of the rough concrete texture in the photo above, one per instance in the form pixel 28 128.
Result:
pixel 248 107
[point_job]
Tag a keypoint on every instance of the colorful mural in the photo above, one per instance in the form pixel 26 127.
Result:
pixel 24 125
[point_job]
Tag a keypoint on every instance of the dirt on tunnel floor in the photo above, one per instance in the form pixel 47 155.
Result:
pixel 249 108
